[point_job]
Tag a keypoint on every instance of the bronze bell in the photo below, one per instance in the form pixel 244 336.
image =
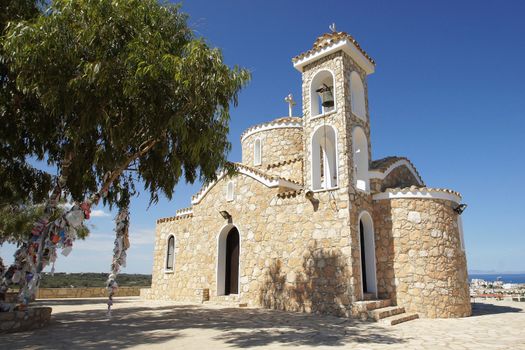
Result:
pixel 327 97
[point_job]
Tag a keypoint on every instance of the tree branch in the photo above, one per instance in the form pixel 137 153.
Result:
pixel 115 174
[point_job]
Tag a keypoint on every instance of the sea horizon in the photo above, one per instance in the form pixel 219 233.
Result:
pixel 493 276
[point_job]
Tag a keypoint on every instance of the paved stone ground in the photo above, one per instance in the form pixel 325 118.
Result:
pixel 82 324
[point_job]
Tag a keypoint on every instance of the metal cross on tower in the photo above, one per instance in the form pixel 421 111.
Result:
pixel 291 103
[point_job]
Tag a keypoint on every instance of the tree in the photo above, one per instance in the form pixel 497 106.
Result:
pixel 124 82
pixel 128 93
pixel 19 181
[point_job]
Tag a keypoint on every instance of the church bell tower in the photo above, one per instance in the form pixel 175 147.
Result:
pixel 335 113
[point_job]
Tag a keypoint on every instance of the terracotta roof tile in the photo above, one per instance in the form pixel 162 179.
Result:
pixel 265 175
pixel 173 218
pixel 330 39
pixel 383 164
pixel 256 171
pixel 284 162
pixel 290 194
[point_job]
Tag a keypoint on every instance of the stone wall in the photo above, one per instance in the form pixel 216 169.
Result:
pixel 35 317
pixel 294 253
pixel 278 145
pixel 303 254
pixel 52 293
pixel 420 263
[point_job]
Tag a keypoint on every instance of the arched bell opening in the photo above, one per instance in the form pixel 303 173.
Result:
pixel 322 93
pixel 324 158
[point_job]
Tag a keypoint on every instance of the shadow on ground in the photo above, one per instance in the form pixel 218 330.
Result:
pixel 241 328
pixel 481 309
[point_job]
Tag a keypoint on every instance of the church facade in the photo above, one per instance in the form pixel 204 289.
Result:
pixel 310 222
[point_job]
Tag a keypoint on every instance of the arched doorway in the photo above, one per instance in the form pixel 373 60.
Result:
pixel 231 284
pixel 368 255
pixel 228 261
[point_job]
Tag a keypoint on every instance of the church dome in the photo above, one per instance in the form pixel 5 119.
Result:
pixel 276 141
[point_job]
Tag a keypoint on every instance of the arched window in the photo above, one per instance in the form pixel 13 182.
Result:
pixel 324 158
pixel 360 153
pixel 257 152
pixel 170 253
pixel 322 80
pixel 229 191
pixel 357 95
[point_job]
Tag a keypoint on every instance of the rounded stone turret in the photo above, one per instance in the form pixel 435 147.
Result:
pixel 423 243
pixel 269 143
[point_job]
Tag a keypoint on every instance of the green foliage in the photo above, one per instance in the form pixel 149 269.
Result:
pixel 19 182
pixel 113 77
pixel 90 279
pixel 16 222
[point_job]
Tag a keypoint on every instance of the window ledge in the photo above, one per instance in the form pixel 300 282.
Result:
pixel 167 272
pixel 323 115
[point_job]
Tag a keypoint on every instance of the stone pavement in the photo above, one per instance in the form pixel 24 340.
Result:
pixel 82 324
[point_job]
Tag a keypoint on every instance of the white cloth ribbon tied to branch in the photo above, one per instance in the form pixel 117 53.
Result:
pixel 119 253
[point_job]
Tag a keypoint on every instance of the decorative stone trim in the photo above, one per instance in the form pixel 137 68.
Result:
pixel 290 194
pixel 265 179
pixel 390 165
pixel 184 211
pixel 419 192
pixel 280 123
pixel 330 43
pixel 286 162
pixel 176 217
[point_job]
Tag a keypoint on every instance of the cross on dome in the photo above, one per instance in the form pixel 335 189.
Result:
pixel 289 99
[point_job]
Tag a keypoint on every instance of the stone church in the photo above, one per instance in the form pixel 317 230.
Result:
pixel 311 222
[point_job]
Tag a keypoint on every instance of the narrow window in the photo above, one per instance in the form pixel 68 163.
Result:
pixel 257 152
pixel 170 253
pixel 229 192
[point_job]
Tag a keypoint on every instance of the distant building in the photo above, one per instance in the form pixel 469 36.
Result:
pixel 310 222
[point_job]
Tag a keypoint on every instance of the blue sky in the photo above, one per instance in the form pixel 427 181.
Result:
pixel 448 93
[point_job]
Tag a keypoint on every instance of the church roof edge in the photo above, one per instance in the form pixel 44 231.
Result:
pixel 290 122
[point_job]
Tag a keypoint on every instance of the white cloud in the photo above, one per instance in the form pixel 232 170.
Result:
pixel 99 213
pixel 95 213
